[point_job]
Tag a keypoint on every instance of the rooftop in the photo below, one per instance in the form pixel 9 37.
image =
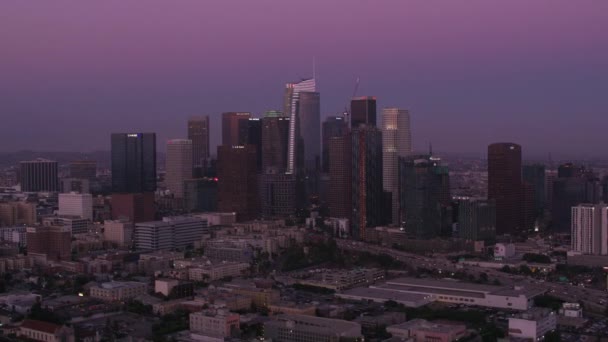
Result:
pixel 422 324
pixel 46 327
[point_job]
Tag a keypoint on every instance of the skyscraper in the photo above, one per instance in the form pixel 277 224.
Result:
pixel 250 133
pixel 572 189
pixel 309 114
pixel 505 185
pixel 277 193
pixel 363 111
pixel 293 109
pixel 424 187
pixel 589 232
pixel 476 219
pixel 340 176
pixel 178 165
pixel 133 176
pixel 237 185
pixel 231 135
pixel 534 175
pixel 368 198
pixel 333 126
pixel 396 143
pixel 133 162
pixel 198 132
pixel 275 140
pixel 39 175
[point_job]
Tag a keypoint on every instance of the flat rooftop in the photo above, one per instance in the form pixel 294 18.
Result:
pixel 380 294
pixel 422 324
pixel 459 288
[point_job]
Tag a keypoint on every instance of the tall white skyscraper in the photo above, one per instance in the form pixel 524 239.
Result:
pixel 396 142
pixel 178 165
pixel 292 103
pixel 590 229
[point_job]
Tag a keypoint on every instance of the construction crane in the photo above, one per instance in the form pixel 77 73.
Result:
pixel 346 113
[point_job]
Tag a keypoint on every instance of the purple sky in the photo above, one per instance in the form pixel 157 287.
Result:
pixel 471 72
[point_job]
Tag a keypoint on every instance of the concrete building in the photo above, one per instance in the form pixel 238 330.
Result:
pixel 211 272
pixel 118 290
pixel 51 243
pixel 171 232
pixel 420 330
pixel 17 213
pixel 118 232
pixel 504 250
pixel 74 224
pixel 75 204
pixel 589 233
pixel 396 143
pixel 307 328
pixel 456 292
pixel 214 323
pixel 291 308
pixel 134 207
pixel 39 175
pixel 217 218
pixel 33 330
pixel 533 324
pixel 16 235
pixel 260 297
pixel 571 310
pixel 237 185
pixel 178 165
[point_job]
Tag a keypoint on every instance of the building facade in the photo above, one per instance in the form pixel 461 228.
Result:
pixel 39 175
pixel 589 234
pixel 505 186
pixel 198 133
pixel 133 162
pixel 333 126
pixel 396 143
pixel 231 121
pixel 74 204
pixel 238 184
pixel 363 111
pixel 178 165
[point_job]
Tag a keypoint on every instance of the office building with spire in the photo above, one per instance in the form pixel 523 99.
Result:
pixel 297 110
pixel 396 143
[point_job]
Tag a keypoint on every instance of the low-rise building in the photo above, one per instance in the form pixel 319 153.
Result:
pixel 533 324
pixel 118 290
pixel 420 330
pixel 211 272
pixel 214 323
pixel 260 297
pixel 571 310
pixel 33 330
pixel 292 308
pixel 173 287
pixel 309 328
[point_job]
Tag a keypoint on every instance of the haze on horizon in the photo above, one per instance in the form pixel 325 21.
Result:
pixel 471 72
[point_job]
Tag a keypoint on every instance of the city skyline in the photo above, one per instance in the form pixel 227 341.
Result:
pixel 488 80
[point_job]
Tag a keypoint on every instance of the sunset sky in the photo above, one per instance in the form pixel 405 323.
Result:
pixel 471 72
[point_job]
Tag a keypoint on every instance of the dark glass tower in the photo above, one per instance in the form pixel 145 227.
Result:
pixel 275 137
pixel 133 162
pixel 309 114
pixel 198 132
pixel 363 111
pixel 534 175
pixel 333 126
pixel 505 186
pixel 250 133
pixel 367 192
pixel 424 192
pixel 340 176
pixel 476 219
pixel 39 175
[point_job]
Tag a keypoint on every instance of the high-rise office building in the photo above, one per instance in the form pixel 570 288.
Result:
pixel 133 162
pixel 178 165
pixel 333 126
pixel 424 194
pixel 200 194
pixel 277 193
pixel 589 231
pixel 396 143
pixel 39 175
pixel 505 185
pixel 250 133
pixel 568 170
pixel 198 132
pixel 368 199
pixel 83 169
pixel 275 140
pixel 476 219
pixel 340 176
pixel 309 114
pixel 293 108
pixel 134 207
pixel 237 185
pixel 534 175
pixel 581 186
pixel 363 111
pixel 231 121
pixel 75 204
